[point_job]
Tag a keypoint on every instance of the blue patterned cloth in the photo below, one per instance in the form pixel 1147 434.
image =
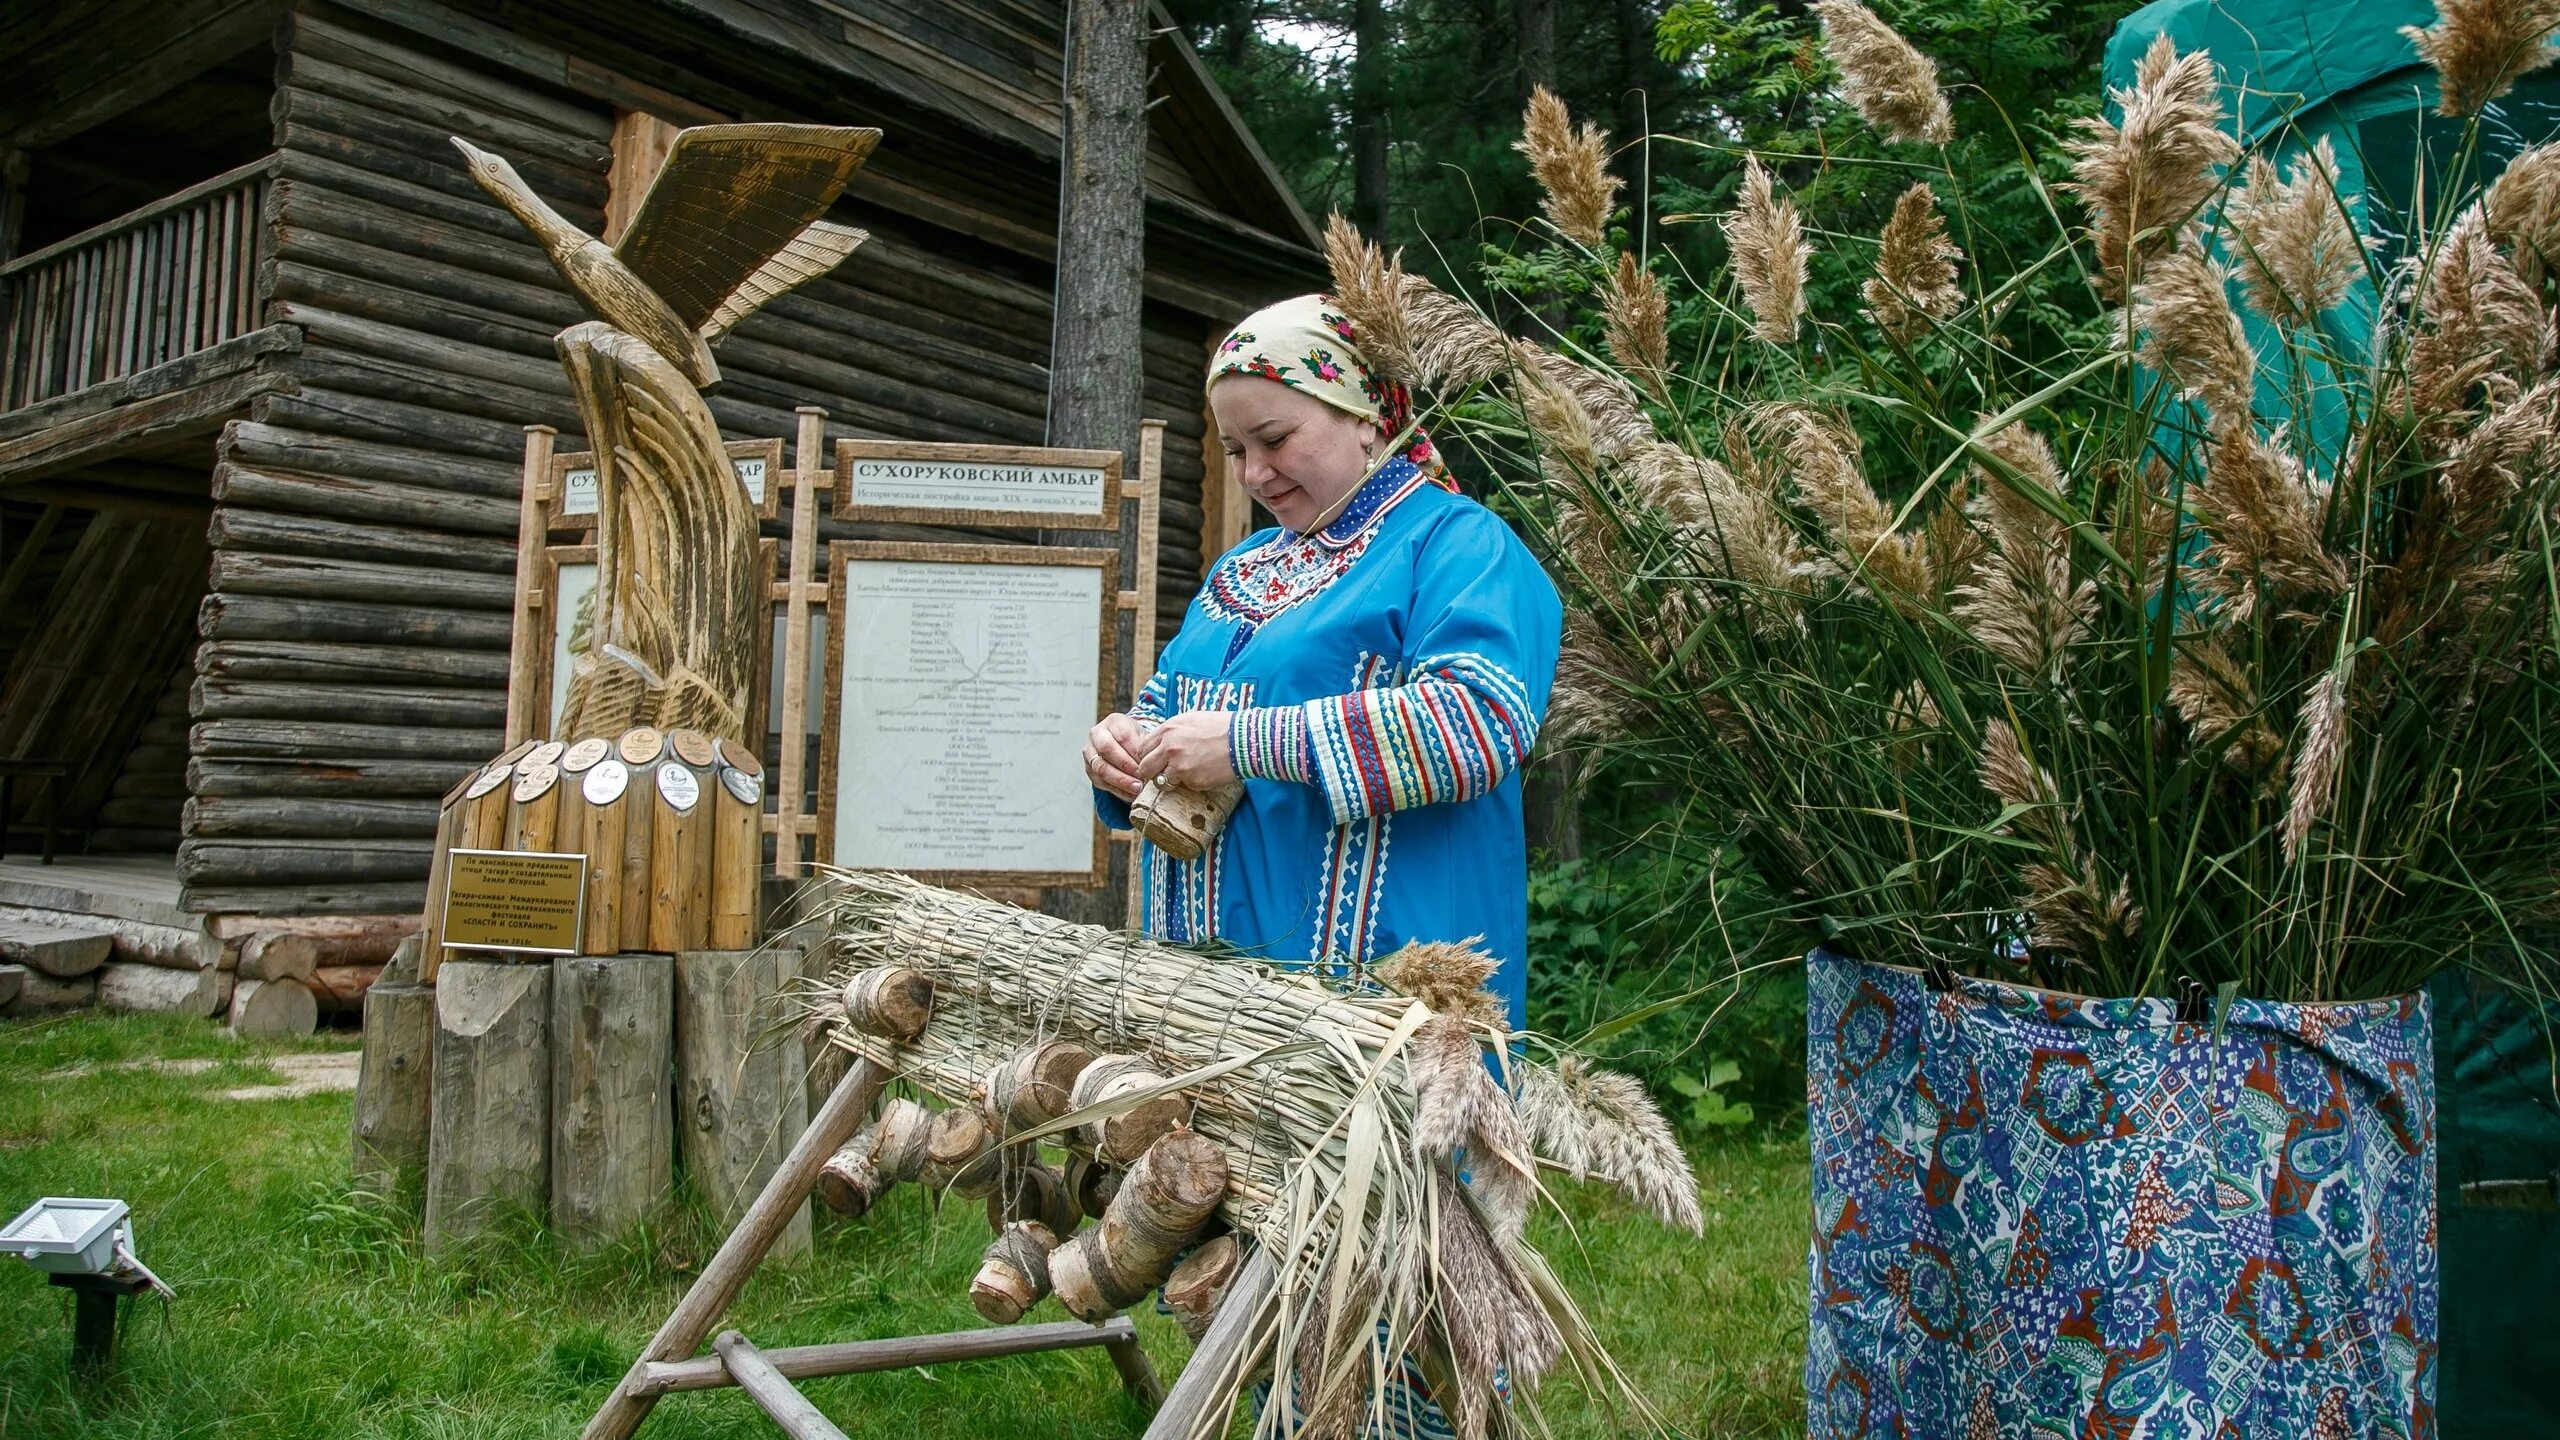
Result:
pixel 2039 1215
pixel 1386 675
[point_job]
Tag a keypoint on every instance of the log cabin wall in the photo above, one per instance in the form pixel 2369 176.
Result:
pixel 350 659
pixel 353 654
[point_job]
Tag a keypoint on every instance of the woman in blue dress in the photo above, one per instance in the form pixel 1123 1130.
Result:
pixel 1374 668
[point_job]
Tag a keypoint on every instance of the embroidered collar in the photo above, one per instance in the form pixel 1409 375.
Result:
pixel 1376 496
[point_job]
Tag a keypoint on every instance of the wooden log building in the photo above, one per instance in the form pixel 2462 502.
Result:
pixel 268 354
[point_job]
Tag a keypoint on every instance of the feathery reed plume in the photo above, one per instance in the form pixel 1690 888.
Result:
pixel 2480 327
pixel 2016 521
pixel 1369 287
pixel 2015 780
pixel 1596 695
pixel 1953 546
pixel 2297 254
pixel 2143 175
pixel 1572 168
pixel 1562 426
pixel 2213 693
pixel 2078 916
pixel 2190 333
pixel 1769 256
pixel 2261 521
pixel 1602 1125
pixel 2523 211
pixel 1449 978
pixel 2316 766
pixel 1824 460
pixel 1889 82
pixel 1739 527
pixel 1457 1107
pixel 2480 47
pixel 2026 610
pixel 1915 279
pixel 2145 522
pixel 1638 327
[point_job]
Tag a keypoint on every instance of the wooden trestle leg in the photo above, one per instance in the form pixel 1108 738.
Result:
pixel 691 1321
pixel 669 1363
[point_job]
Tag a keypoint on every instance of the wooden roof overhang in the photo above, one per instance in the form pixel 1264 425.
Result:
pixel 983 164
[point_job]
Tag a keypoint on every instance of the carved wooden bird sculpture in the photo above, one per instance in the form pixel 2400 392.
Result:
pixel 730 222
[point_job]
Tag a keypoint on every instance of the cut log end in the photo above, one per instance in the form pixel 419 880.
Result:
pixel 890 1002
pixel 1120 1139
pixel 1037 1085
pixel 1014 1272
pixel 1169 1195
pixel 1200 1282
pixel 1029 1190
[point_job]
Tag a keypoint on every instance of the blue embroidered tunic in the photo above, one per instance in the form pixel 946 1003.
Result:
pixel 1386 675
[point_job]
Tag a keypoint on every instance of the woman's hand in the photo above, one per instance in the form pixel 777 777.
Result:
pixel 1111 755
pixel 1191 749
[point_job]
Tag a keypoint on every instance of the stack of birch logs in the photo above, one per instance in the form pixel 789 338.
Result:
pixel 1150 1184
pixel 504 1086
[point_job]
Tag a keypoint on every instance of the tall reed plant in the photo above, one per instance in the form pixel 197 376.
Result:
pixel 2196 655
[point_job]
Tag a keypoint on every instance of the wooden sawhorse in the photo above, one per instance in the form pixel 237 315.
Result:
pixel 669 1362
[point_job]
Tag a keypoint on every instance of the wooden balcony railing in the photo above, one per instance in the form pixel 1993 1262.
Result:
pixel 177 276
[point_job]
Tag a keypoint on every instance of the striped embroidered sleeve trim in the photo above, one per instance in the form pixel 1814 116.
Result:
pixel 1270 743
pixel 1451 735
pixel 1149 709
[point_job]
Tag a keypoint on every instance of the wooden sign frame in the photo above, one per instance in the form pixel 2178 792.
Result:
pixel 556 517
pixel 800 591
pixel 841 554
pixel 849 505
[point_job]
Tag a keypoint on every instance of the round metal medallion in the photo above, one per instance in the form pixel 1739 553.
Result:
pixel 749 789
pixel 605 782
pixel 546 753
pixel 679 786
pixel 488 780
pixel 738 757
pixel 533 780
pixel 693 748
pixel 583 756
pixel 642 745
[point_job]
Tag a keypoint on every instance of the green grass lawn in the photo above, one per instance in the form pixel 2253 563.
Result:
pixel 302 1313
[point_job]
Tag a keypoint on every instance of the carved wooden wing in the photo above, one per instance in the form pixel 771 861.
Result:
pixel 729 199
pixel 814 252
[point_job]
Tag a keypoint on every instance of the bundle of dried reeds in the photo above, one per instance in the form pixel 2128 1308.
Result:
pixel 1334 1116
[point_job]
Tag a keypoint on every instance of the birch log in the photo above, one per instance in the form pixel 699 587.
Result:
pixel 1166 1198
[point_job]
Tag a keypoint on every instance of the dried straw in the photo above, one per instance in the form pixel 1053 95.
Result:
pixel 1770 256
pixel 1309 1094
pixel 2143 175
pixel 2480 47
pixel 1572 169
pixel 1915 279
pixel 2297 253
pixel 1890 83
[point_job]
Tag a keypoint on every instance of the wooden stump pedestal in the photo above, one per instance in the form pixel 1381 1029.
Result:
pixel 574 1088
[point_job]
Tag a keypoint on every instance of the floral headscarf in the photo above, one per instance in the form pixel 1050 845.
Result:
pixel 1308 345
